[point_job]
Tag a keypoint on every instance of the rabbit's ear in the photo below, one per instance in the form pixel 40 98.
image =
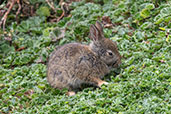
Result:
pixel 95 33
pixel 99 27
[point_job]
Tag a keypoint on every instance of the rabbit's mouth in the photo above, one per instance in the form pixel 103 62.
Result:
pixel 115 67
pixel 114 64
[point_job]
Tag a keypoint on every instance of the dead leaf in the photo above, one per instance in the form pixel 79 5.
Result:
pixel 146 42
pixel 29 93
pixel 8 38
pixel 130 33
pixel 21 106
pixel 21 48
pixel 107 22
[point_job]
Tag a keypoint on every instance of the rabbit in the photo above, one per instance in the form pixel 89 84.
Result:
pixel 74 64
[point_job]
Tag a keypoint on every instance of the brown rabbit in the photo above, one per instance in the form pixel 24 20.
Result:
pixel 73 64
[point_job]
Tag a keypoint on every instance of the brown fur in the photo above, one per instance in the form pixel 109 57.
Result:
pixel 73 64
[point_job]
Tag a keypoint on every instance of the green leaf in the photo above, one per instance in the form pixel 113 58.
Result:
pixel 5 48
pixel 145 13
pixel 46 32
pixel 43 11
pixel 166 11
pixel 158 19
pixel 146 25
pixel 167 19
pixel 150 6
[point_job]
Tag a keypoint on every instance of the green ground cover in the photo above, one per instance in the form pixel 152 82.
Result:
pixel 142 29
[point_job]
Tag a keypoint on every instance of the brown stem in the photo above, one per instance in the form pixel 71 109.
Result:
pixel 18 11
pixel 51 5
pixel 3 20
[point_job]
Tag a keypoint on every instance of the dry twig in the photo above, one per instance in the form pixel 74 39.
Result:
pixel 4 18
pixel 65 9
pixel 18 11
pixel 52 6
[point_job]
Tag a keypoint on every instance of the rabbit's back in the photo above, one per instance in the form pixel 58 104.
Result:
pixel 73 64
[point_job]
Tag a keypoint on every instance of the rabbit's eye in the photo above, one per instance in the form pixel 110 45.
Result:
pixel 110 53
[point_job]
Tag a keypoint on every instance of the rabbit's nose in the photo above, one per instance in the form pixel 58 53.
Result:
pixel 114 63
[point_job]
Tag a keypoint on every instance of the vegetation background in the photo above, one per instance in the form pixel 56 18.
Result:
pixel 34 28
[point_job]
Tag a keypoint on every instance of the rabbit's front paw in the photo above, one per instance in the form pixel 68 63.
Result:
pixel 71 93
pixel 102 82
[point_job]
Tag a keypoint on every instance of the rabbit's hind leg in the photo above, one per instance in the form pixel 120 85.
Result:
pixel 71 93
pixel 99 82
